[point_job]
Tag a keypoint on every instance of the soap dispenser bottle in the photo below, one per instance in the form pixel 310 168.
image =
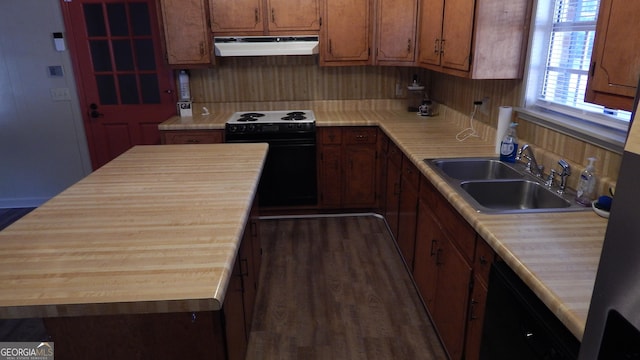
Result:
pixel 586 189
pixel 509 144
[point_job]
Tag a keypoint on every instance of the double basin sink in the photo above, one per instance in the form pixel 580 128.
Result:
pixel 496 187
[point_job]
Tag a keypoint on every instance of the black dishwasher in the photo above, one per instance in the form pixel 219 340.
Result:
pixel 518 325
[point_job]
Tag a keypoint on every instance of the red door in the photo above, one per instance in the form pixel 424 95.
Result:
pixel 124 86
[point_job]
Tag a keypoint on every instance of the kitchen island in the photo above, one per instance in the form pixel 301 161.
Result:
pixel 151 239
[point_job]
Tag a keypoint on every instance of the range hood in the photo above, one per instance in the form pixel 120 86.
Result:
pixel 265 45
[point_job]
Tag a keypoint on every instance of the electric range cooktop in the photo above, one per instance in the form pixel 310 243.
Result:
pixel 272 117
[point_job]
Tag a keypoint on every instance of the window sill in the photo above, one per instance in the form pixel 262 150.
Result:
pixel 607 138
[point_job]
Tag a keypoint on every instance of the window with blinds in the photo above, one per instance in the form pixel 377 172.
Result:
pixel 572 34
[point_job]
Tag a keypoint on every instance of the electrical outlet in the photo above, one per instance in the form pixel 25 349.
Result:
pixel 60 94
pixel 485 108
pixel 399 90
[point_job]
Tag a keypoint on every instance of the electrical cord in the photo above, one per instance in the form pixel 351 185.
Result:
pixel 470 131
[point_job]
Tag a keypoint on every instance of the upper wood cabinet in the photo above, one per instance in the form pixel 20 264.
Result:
pixel 186 32
pixel 345 35
pixel 237 16
pixel 396 32
pixel 259 17
pixel 351 29
pixel 615 60
pixel 481 39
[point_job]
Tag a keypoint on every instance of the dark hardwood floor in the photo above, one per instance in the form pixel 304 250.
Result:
pixel 336 288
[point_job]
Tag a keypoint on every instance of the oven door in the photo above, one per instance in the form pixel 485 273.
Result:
pixel 289 176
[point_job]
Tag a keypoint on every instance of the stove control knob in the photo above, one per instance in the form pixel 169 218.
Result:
pixel 242 128
pixel 233 128
pixel 252 127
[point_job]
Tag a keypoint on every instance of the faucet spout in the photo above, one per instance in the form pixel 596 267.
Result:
pixel 532 165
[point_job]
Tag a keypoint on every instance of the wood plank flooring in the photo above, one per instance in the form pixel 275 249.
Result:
pixel 336 288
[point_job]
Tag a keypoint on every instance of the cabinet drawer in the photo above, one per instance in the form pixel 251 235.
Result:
pixel 361 135
pixel 192 137
pixel 330 135
pixel 483 260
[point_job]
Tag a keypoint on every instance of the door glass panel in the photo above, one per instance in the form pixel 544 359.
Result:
pixel 94 20
pixel 144 54
pixel 123 55
pixel 149 89
pixel 100 55
pixel 118 19
pixel 140 23
pixel 128 89
pixel 106 90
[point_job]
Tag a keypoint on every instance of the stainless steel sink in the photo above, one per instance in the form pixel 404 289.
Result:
pixel 495 187
pixel 476 169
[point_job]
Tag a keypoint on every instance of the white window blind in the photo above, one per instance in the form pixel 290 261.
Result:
pixel 572 34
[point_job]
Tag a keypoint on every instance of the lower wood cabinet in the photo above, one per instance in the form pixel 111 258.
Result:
pixel 347 167
pixel 215 335
pixel 408 210
pixel 191 136
pixel 392 178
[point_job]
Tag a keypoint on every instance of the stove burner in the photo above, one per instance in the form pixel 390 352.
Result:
pixel 294 115
pixel 250 117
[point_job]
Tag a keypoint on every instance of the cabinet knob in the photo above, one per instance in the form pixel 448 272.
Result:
pixel 483 260
pixel 409 45
pixel 273 15
pixel 257 15
pixel 436 46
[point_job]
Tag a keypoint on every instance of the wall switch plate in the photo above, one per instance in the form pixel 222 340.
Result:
pixel 60 94
pixel 399 90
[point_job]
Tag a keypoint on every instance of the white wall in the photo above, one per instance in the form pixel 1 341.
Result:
pixel 43 148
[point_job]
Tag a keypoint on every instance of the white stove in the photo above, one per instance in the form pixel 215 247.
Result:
pixel 272 117
pixel 250 125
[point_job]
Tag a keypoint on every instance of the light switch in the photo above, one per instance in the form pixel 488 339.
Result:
pixel 60 94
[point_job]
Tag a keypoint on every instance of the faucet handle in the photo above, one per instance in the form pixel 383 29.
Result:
pixel 550 179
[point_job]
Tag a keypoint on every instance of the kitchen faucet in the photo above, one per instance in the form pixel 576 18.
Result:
pixel 532 165
pixel 566 171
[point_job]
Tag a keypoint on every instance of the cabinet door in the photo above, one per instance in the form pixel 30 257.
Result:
pixel 346 32
pixel 457 30
pixel 408 211
pixel 330 175
pixel 293 15
pixel 425 269
pixel 477 306
pixel 396 31
pixel 236 16
pixel 452 296
pixel 615 61
pixel 430 31
pixel 392 193
pixel 360 176
pixel 186 32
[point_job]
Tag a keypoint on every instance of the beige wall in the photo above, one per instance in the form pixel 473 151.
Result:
pixel 299 78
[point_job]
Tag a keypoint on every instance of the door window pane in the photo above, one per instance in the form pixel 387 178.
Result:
pixel 106 90
pixel 149 87
pixel 94 20
pixel 144 54
pixel 128 89
pixel 118 19
pixel 123 55
pixel 140 23
pixel 100 55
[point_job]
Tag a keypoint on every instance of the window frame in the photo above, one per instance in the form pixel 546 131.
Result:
pixel 602 130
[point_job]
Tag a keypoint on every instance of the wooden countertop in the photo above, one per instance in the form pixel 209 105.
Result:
pixel 555 254
pixel 155 230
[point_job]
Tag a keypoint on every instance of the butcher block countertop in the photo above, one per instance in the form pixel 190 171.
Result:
pixel 556 254
pixel 155 230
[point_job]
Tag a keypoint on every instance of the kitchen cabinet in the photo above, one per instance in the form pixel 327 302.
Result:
pixel 347 32
pixel 477 303
pixel 443 271
pixel 481 39
pixel 220 334
pixel 392 187
pixel 261 17
pixel 186 32
pixel 396 33
pixel 615 60
pixel 347 167
pixel 408 211
pixel 191 136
